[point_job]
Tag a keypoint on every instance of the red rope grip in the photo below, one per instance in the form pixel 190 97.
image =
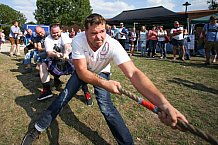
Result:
pixel 148 105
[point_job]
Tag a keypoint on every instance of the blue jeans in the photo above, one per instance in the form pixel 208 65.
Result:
pixel 162 46
pixel 31 54
pixel 142 47
pixel 110 113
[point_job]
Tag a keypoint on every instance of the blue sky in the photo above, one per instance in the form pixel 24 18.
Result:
pixel 110 8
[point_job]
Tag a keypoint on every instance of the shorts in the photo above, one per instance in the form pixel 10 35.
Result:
pixel 209 45
pixel 177 43
pixel 14 41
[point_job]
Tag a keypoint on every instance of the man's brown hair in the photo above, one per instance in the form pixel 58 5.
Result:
pixel 94 19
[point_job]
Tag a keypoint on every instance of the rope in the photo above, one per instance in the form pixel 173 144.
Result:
pixel 185 126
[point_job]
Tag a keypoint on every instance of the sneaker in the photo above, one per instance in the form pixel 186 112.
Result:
pixel 44 95
pixel 30 136
pixel 88 99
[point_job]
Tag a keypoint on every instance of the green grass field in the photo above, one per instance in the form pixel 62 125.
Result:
pixel 190 86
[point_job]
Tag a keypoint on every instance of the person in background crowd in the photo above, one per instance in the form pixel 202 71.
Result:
pixel 115 31
pixel 161 33
pixel 152 37
pixel 0 39
pixel 177 40
pixel 79 31
pixel 92 45
pixel 186 44
pixel 72 33
pixel 121 36
pixel 109 31
pixel 14 38
pixel 210 34
pixel 132 40
pixel 142 40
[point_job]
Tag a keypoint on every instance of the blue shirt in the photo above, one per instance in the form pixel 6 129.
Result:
pixel 211 32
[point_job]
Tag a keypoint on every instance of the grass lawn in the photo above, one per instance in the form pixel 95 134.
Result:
pixel 190 86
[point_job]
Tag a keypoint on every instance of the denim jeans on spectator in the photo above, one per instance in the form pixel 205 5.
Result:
pixel 142 47
pixel 31 54
pixel 152 47
pixel 110 113
pixel 162 46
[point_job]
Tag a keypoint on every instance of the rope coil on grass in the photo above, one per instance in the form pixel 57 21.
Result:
pixel 185 126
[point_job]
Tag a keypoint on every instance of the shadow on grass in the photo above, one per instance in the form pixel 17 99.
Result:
pixel 34 109
pixel 193 85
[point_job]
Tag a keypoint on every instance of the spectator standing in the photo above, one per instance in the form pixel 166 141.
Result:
pixel 0 39
pixel 121 36
pixel 92 45
pixel 177 40
pixel 142 40
pixel 210 34
pixel 132 40
pixel 152 37
pixel 14 38
pixel 161 33
pixel 186 45
pixel 109 31
pixel 72 33
pixel 115 31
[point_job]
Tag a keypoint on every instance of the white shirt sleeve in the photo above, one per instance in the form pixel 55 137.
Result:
pixel 119 54
pixel 49 43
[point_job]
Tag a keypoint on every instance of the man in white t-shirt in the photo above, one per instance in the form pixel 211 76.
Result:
pixel 58 48
pixel 92 51
pixel 177 40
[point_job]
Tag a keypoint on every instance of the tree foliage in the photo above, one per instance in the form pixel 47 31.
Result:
pixel 8 15
pixel 213 4
pixel 67 12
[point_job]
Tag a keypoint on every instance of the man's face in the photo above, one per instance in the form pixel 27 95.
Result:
pixel 40 32
pixel 213 21
pixel 56 32
pixel 176 25
pixel 96 35
pixel 16 24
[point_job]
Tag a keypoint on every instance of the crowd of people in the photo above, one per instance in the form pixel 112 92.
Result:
pixel 147 41
pixel 86 55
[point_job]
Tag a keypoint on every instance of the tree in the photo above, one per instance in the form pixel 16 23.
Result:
pixel 8 15
pixel 66 12
pixel 213 5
